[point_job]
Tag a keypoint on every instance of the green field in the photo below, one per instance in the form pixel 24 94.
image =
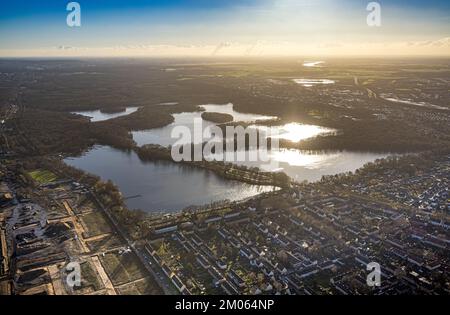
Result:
pixel 42 176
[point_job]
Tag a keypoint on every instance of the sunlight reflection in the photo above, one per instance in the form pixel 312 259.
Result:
pixel 296 132
pixel 304 159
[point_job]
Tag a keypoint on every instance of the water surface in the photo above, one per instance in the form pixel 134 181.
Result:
pixel 163 136
pixel 313 64
pixel 306 165
pixel 313 82
pixel 161 186
pixel 170 187
pixel 299 165
pixel 97 115
pixel 411 102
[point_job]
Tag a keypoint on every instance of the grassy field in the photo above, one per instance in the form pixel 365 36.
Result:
pixel 89 281
pixel 104 244
pixel 42 176
pixel 141 287
pixel 122 268
pixel 95 224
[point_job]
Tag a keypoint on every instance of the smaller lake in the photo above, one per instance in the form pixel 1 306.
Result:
pixel 313 64
pixel 410 102
pixel 168 104
pixel 97 115
pixel 162 186
pixel 312 82
pixel 162 136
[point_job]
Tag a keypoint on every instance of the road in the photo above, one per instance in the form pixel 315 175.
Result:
pixel 162 282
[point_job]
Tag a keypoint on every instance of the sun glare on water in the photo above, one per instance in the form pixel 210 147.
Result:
pixel 298 158
pixel 296 132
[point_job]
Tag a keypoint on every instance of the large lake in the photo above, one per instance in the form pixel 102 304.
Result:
pixel 162 186
pixel 169 187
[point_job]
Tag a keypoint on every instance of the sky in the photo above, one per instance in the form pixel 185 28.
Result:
pixel 224 28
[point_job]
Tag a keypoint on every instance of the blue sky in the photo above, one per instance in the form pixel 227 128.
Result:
pixel 33 24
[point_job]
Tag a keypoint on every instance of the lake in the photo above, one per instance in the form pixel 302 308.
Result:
pixel 162 136
pixel 97 115
pixel 410 102
pixel 312 165
pixel 299 165
pixel 312 82
pixel 163 186
pixel 170 187
pixel 313 64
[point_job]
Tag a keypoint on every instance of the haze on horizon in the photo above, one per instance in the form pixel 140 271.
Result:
pixel 174 28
